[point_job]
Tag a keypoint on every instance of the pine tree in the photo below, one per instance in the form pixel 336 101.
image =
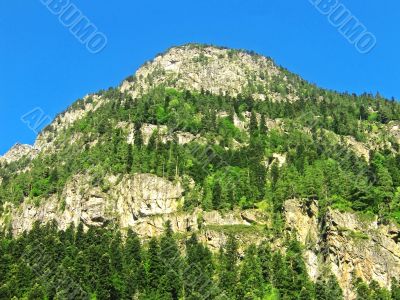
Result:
pixel 104 287
pixel 138 136
pixel 395 291
pixel 298 283
pixel 274 175
pixel 199 269
pixel 253 127
pixel 278 272
pixel 334 289
pixel 228 273
pixel 134 272
pixel 217 196
pixel 172 264
pixel 251 276
pixel 263 125
pixel 265 256
pixel 79 237
pixel 328 289
pixel 362 290
pixel 37 292
pixel 154 265
pixel 116 253
pixel 129 158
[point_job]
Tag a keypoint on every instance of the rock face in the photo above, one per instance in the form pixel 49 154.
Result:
pixel 195 67
pixel 394 128
pixel 45 140
pixel 130 198
pixel 17 152
pixel 352 245
pixel 164 134
pixel 364 248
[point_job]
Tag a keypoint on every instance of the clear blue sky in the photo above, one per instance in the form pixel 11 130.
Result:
pixel 43 65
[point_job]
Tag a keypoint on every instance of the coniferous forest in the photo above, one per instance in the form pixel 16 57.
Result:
pixel 102 264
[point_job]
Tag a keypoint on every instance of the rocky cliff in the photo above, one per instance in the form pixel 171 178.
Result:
pixel 352 245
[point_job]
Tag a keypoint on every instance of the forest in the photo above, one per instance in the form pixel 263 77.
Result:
pixel 109 264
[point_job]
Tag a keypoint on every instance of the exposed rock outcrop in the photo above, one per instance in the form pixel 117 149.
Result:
pixel 208 68
pixel 17 152
pixel 352 245
pixel 45 140
pixel 128 200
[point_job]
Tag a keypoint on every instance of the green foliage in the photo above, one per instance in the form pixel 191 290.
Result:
pixel 100 264
pixel 373 291
pixel 226 175
pixel 328 289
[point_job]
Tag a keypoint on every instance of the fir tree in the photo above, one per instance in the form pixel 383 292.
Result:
pixel 172 264
pixel 217 195
pixel 228 273
pixel 251 276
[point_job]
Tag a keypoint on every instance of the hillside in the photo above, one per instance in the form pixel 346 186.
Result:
pixel 210 146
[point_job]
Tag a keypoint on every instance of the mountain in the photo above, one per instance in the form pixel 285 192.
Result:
pixel 220 143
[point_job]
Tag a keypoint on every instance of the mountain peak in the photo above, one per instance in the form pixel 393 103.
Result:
pixel 214 69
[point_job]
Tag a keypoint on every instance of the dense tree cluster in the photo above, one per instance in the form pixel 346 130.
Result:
pixel 101 264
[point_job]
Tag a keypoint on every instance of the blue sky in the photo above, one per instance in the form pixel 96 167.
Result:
pixel 43 65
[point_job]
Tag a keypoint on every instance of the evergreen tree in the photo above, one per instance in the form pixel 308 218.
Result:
pixel 134 272
pixel 362 290
pixel 228 273
pixel 274 175
pixel 265 256
pixel 129 159
pixel 199 269
pixel 378 293
pixel 138 136
pixel 37 292
pixel 79 236
pixel 395 291
pixel 217 196
pixel 253 123
pixel 104 288
pixel 263 125
pixel 116 253
pixel 328 289
pixel 251 276
pixel 172 264
pixel 154 265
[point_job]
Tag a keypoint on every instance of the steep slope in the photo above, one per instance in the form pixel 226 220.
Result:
pixel 221 141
